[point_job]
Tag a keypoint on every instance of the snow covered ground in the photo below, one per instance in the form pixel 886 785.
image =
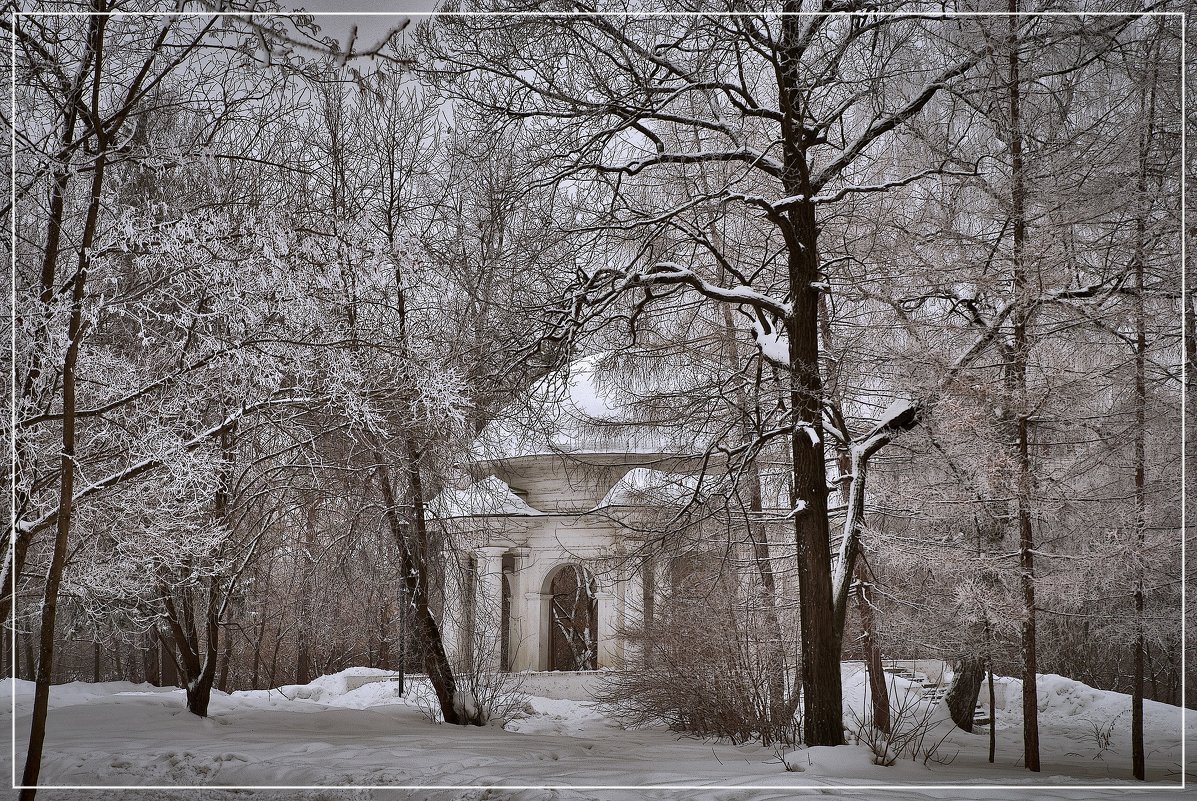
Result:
pixel 333 733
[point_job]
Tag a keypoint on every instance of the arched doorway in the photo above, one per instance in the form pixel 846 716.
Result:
pixel 573 619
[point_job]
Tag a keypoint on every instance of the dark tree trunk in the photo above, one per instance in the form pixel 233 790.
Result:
pixel 303 659
pixel 149 658
pixel 966 687
pixel 992 714
pixel 199 690
pixel 168 671
pixel 257 664
pixel 878 691
pixel 198 654
pixel 278 645
pixel 414 559
pixel 222 683
pixel 1020 352
pixel 75 332
pixel 1147 114
pixel 30 658
pixel 822 691
pixel 415 552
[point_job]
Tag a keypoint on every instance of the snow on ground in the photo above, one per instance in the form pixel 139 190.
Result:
pixel 335 734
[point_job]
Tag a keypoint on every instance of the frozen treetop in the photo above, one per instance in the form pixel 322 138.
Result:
pixel 597 405
pixel 490 497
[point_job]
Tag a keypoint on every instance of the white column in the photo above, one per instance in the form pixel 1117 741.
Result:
pixel 518 641
pixel 488 613
pixel 621 621
pixel 534 652
pixel 656 570
pixel 607 656
pixel 454 616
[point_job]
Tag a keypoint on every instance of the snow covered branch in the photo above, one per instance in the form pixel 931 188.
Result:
pixel 668 272
pixel 155 462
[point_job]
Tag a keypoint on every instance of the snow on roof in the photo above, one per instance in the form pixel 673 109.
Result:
pixel 584 409
pixel 644 486
pixel 490 497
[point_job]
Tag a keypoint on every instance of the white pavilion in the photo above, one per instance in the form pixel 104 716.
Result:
pixel 552 515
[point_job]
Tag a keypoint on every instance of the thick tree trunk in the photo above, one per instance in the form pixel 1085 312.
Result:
pixel 198 663
pixel 822 691
pixel 821 683
pixel 199 690
pixel 966 687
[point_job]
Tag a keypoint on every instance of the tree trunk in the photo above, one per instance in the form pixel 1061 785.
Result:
pixel 303 659
pixel 75 331
pixel 222 683
pixel 168 669
pixel 413 556
pixel 257 664
pixel 63 172
pixel 966 687
pixel 199 689
pixel 30 657
pixel 149 658
pixel 852 496
pixel 278 644
pixel 878 689
pixel 992 714
pixel 1146 134
pixel 198 655
pixel 822 691
pixel 1019 354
